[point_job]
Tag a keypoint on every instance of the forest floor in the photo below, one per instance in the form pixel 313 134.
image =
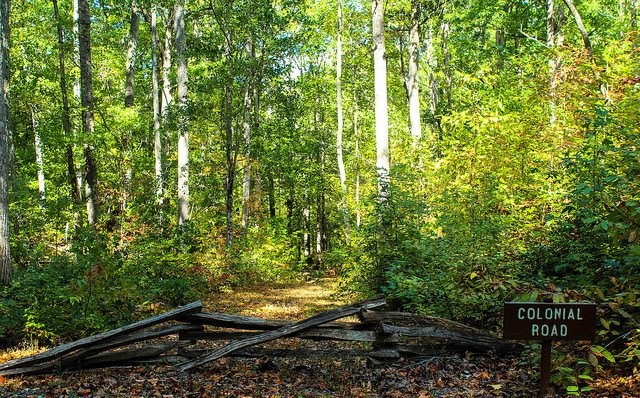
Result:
pixel 445 375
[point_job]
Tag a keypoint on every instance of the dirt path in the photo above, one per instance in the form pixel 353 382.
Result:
pixel 444 375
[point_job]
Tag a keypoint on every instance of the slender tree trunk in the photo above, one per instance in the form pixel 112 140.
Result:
pixel 356 135
pixel 412 79
pixel 633 11
pixel 86 94
pixel 5 254
pixel 39 159
pixel 587 45
pixel 433 84
pixel 76 196
pixel 157 115
pixel 340 129
pixel 581 28
pixel 447 62
pixel 183 118
pixel 131 57
pixel 381 115
pixel 129 100
pixel 167 97
pixel 246 130
pixel 555 38
pixel 230 158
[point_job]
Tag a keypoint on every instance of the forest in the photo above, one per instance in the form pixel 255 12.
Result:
pixel 451 155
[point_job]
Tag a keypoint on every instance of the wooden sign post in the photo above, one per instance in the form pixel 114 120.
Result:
pixel 547 322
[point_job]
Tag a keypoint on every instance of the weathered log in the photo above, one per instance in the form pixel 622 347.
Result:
pixel 245 322
pixel 443 331
pixel 253 352
pixel 99 338
pixel 317 333
pixel 116 358
pixel 236 321
pixel 297 327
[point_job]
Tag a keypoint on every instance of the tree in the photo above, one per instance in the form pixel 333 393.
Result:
pixel 183 117
pixel 5 253
pixel 380 90
pixel 86 98
pixel 412 80
pixel 76 197
pixel 340 128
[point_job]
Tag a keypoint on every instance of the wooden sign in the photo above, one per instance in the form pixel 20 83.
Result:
pixel 549 321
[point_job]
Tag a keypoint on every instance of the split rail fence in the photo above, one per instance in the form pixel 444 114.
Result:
pixel 389 336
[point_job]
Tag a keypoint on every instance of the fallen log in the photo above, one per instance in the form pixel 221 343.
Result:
pixel 117 358
pixel 236 321
pixel 317 333
pixel 99 338
pixel 252 352
pixel 442 331
pixel 297 327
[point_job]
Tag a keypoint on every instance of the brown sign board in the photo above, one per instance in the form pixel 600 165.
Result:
pixel 549 321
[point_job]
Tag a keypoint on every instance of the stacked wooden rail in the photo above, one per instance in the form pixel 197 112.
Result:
pixel 390 335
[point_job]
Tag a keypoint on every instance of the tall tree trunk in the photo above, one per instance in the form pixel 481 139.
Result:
pixel 86 94
pixel 5 254
pixel 447 62
pixel 381 115
pixel 356 135
pixel 341 169
pixel 246 130
pixel 633 11
pixel 183 118
pixel 581 28
pixel 157 132
pixel 230 157
pixel 131 56
pixel 412 78
pixel 167 97
pixel 555 38
pixel 76 196
pixel 129 99
pixel 39 159
pixel 433 84
pixel 587 45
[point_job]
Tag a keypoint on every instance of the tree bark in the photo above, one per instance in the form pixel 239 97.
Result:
pixel 633 11
pixel 129 100
pixel 5 254
pixel 246 130
pixel 39 159
pixel 167 97
pixel 381 115
pixel 581 27
pixel 86 98
pixel 157 114
pixel 183 118
pixel 76 196
pixel 341 169
pixel 555 38
pixel 412 79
